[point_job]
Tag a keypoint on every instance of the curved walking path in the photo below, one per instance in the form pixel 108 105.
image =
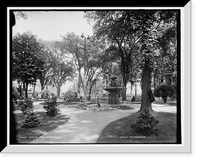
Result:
pixel 85 126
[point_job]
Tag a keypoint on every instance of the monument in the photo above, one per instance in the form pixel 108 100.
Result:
pixel 113 90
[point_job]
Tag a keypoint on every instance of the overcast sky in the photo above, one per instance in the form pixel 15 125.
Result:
pixel 49 25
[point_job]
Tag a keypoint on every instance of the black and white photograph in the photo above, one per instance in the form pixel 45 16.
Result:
pixel 95 77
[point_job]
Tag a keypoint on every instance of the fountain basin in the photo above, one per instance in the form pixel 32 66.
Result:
pixel 113 89
pixel 113 94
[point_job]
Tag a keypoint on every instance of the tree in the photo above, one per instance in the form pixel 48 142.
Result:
pixel 60 69
pixel 136 34
pixel 46 57
pixel 86 60
pixel 93 73
pixel 20 14
pixel 94 64
pixel 164 91
pixel 27 64
pixel 71 45
pixel 117 27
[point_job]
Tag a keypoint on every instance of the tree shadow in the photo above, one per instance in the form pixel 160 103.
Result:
pixel 122 107
pixel 169 104
pixel 25 135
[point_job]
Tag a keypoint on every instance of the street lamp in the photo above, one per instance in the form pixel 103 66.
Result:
pixel 85 66
pixel 85 49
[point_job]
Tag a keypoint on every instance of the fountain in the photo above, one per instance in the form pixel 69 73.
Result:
pixel 113 90
pixel 113 99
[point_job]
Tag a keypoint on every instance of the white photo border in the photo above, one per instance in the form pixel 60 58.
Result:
pixel 186 107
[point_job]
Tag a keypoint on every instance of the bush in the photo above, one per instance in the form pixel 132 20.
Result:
pixel 71 96
pixel 36 95
pixel 46 94
pixel 164 91
pixel 31 120
pixel 145 124
pixel 26 106
pixel 51 106
pixel 174 86
pixel 133 99
pixel 15 94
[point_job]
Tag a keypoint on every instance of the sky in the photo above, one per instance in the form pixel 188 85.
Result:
pixel 49 25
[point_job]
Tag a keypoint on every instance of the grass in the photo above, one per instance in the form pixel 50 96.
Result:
pixel 169 102
pixel 120 131
pixel 25 135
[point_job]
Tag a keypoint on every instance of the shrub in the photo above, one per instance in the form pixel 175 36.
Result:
pixel 26 106
pixel 133 99
pixel 31 120
pixel 15 94
pixel 71 96
pixel 174 86
pixel 164 91
pixel 36 95
pixel 46 94
pixel 51 106
pixel 145 124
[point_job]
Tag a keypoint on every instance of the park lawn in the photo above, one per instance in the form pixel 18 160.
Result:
pixel 25 135
pixel 119 131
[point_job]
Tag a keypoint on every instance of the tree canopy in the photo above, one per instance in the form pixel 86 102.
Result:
pixel 27 63
pixel 145 37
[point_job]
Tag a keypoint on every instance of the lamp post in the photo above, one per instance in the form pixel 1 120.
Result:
pixel 85 50
pixel 85 68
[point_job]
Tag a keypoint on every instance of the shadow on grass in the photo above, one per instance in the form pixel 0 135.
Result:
pixel 25 135
pixel 62 103
pixel 122 107
pixel 168 103
pixel 120 132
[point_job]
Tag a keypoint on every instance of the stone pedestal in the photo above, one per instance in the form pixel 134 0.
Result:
pixel 113 98
pixel 113 90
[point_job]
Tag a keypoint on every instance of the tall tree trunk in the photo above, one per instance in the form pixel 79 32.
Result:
pixel 131 89
pixel 89 94
pixel 135 90
pixel 92 83
pixel 85 95
pixel 58 91
pixel 26 90
pixel 34 90
pixel 42 84
pixel 146 88
pixel 124 90
pixel 83 83
pixel 42 88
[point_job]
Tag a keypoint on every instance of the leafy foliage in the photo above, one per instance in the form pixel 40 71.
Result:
pixel 52 108
pixel 59 68
pixel 36 95
pixel 71 96
pixel 145 124
pixel 46 93
pixel 26 106
pixel 164 91
pixel 142 38
pixel 27 63
pixel 87 59
pixel 15 94
pixel 31 120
